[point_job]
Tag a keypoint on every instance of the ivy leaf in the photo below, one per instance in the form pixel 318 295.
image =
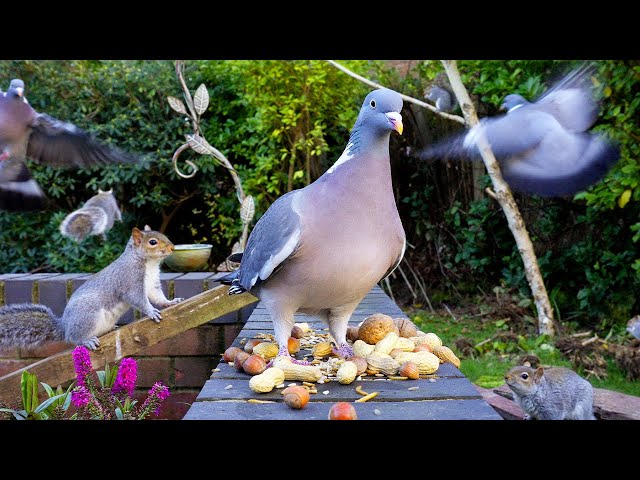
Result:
pixel 201 99
pixel 177 105
pixel 624 198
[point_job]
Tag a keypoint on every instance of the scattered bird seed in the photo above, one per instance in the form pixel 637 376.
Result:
pixel 413 388
pixel 280 386
pixel 228 387
pixel 326 392
pixel 432 380
pixel 377 412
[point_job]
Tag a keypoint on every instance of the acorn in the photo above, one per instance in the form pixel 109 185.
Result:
pixel 297 332
pixel 248 347
pixel 342 411
pixel 352 333
pixel 239 360
pixel 254 365
pixel 409 370
pixel 293 344
pixel 360 362
pixel 296 397
pixel 230 354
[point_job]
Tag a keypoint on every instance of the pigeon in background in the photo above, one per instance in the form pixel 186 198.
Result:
pixel 321 249
pixel 443 99
pixel 543 147
pixel 25 133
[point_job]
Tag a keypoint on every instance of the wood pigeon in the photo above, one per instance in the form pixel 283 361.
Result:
pixel 633 326
pixel 26 133
pixel 543 147
pixel 321 249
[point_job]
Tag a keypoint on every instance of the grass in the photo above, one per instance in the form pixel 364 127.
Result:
pixel 495 357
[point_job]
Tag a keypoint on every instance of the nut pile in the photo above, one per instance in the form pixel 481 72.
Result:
pixel 383 347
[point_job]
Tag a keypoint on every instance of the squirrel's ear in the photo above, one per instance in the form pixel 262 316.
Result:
pixel 136 235
pixel 147 228
pixel 537 375
pixel 105 191
pixel 526 364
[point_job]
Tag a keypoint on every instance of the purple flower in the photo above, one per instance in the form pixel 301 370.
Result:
pixel 80 396
pixel 157 394
pixel 126 379
pixel 82 364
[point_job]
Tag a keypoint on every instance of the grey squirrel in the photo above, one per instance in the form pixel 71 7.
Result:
pixel 555 393
pixel 444 100
pixel 132 280
pixel 95 217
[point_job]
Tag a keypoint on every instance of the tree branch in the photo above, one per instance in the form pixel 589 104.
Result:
pixel 505 198
pixel 407 98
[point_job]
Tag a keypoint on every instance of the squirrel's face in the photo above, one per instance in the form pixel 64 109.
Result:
pixel 155 244
pixel 523 379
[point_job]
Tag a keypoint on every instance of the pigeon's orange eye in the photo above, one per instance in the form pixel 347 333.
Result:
pixel 372 103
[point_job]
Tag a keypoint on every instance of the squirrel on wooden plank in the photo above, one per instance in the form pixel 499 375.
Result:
pixel 132 280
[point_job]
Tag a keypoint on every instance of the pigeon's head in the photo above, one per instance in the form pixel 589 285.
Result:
pixel 381 110
pixel 16 87
pixel 513 101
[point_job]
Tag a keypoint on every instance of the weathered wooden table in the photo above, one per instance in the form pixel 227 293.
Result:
pixel 446 395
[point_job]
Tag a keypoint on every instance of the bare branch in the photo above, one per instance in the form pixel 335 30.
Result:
pixel 420 103
pixel 505 198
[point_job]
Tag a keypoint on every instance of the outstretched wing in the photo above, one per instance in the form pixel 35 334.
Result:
pixel 275 237
pixel 62 144
pixel 18 190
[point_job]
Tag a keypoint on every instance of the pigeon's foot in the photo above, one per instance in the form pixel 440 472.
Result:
pixel 284 352
pixel 344 350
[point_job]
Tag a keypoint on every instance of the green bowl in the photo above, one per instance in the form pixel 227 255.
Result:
pixel 188 257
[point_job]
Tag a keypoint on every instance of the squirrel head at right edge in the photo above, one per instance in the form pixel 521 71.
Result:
pixel 151 244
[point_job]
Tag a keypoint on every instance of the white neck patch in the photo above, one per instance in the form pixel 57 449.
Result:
pixel 515 108
pixel 345 157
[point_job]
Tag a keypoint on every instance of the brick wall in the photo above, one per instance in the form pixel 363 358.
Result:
pixel 183 362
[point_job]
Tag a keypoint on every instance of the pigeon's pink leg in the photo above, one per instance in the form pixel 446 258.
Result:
pixel 344 350
pixel 284 352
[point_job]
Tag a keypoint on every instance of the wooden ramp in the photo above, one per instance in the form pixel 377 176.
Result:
pixel 447 395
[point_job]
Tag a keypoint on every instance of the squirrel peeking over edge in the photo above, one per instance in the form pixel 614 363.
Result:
pixel 95 217
pixel 132 280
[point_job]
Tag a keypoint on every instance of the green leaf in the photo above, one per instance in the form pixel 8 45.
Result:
pixel 102 376
pixel 500 323
pixel 48 389
pixel 119 414
pixel 29 386
pixel 44 405
pixel 624 198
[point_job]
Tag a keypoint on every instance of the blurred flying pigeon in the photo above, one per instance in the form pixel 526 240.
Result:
pixel 322 248
pixel 633 326
pixel 444 101
pixel 25 133
pixel 543 147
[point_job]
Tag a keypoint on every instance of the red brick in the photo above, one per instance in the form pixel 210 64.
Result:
pixel 46 350
pixel 203 340
pixel 152 370
pixel 173 408
pixel 8 366
pixel 193 371
pixel 231 331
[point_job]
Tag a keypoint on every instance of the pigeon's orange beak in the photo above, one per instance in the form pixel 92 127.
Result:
pixel 396 120
pixel 19 90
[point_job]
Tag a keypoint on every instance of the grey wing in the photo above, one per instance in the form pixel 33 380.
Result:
pixel 514 133
pixel 62 144
pixel 275 237
pixel 563 164
pixel 575 109
pixel 18 190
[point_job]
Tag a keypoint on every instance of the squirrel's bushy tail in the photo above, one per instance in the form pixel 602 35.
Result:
pixel 83 222
pixel 28 325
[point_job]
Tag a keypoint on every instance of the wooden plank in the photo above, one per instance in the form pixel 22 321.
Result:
pixel 421 410
pixel 390 390
pixel 130 339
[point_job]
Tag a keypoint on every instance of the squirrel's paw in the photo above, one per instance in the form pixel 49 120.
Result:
pixel 92 343
pixel 154 314
pixel 174 301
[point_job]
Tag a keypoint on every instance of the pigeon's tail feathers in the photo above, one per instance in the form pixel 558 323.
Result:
pixel 453 147
pixel 84 222
pixel 235 257
pixel 580 78
pixel 602 156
